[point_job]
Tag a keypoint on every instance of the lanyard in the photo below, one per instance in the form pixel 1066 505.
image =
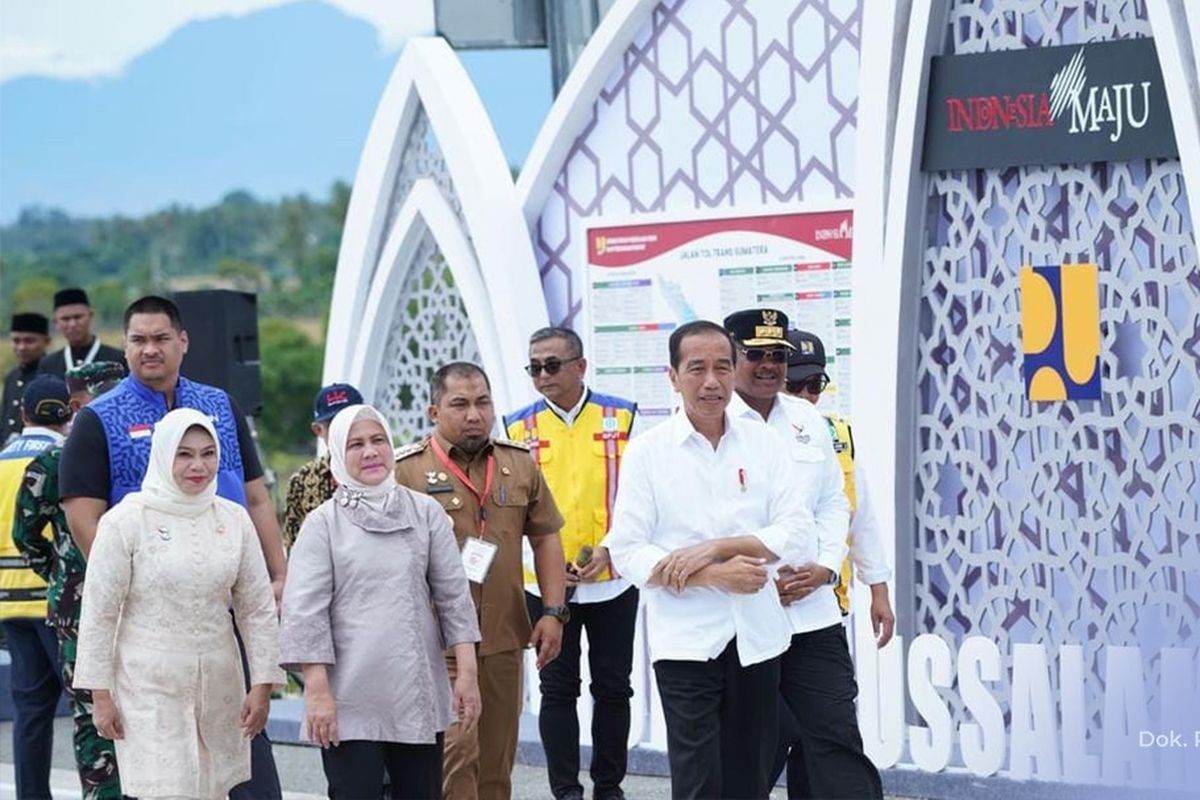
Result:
pixel 70 360
pixel 457 471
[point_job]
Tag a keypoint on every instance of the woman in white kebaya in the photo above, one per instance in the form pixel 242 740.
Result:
pixel 156 639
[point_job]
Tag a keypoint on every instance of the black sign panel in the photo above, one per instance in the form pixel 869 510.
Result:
pixel 1048 105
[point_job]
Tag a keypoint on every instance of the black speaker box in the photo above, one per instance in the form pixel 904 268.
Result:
pixel 222 329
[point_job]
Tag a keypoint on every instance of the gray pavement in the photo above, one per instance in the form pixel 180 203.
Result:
pixel 300 772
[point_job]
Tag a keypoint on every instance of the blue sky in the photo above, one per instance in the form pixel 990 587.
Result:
pixel 274 100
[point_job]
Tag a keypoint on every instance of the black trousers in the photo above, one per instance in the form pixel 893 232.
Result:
pixel 722 724
pixel 355 770
pixel 610 626
pixel 819 722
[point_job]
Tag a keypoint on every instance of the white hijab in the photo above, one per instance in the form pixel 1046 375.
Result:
pixel 159 490
pixel 379 508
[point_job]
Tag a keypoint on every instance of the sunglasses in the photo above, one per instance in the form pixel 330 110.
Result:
pixel 814 385
pixel 550 366
pixel 757 354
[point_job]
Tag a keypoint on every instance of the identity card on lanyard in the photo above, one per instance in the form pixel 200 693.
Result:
pixel 477 553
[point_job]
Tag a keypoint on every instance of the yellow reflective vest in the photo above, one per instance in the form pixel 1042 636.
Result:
pixel 22 592
pixel 581 463
pixel 843 446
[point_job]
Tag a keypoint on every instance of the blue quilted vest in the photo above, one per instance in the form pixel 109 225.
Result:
pixel 128 413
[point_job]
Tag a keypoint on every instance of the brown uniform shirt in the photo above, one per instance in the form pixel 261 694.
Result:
pixel 519 504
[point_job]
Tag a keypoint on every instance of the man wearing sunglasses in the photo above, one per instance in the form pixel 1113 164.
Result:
pixel 578 437
pixel 816 673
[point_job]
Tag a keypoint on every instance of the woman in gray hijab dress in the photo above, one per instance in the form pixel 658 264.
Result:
pixel 376 594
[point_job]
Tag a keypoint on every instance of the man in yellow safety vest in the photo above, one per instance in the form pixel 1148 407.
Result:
pixel 578 437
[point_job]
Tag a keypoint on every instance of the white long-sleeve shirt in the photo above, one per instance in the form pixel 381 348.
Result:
pixel 866 544
pixel 677 491
pixel 819 480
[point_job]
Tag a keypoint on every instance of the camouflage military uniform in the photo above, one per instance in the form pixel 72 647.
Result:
pixel 62 565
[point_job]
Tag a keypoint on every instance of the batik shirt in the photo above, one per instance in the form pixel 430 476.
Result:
pixel 312 485
pixel 60 563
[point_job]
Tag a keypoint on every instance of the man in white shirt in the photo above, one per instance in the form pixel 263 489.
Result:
pixel 707 501
pixel 816 673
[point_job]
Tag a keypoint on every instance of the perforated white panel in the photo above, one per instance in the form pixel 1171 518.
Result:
pixel 1058 522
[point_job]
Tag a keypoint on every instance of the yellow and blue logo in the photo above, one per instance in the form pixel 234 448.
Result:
pixel 1060 320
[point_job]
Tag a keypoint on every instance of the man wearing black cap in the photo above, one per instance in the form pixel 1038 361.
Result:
pixel 73 319
pixel 806 748
pixel 46 410
pixel 61 564
pixel 313 483
pixel 816 673
pixel 30 337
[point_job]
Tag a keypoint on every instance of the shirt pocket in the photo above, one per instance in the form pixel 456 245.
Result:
pixel 807 454
pixel 508 507
pixel 609 445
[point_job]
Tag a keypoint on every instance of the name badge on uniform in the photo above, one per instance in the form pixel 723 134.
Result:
pixel 477 557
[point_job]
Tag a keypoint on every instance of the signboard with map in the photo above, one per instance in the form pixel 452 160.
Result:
pixel 646 279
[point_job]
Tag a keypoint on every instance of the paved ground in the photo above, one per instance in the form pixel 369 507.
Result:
pixel 300 771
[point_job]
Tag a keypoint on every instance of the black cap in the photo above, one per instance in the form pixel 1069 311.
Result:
pixel 758 327
pixel 30 322
pixel 46 401
pixel 332 399
pixel 70 297
pixel 808 357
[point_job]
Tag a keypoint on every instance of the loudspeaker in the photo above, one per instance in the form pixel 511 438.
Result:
pixel 222 329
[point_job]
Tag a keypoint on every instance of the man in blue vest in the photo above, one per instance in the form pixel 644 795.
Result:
pixel 106 456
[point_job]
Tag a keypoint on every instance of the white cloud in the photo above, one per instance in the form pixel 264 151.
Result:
pixel 90 39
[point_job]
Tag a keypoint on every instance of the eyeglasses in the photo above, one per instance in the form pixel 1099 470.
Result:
pixel 550 366
pixel 813 385
pixel 756 354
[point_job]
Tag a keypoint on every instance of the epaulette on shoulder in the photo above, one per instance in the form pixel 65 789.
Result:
pixel 513 444
pixel 411 449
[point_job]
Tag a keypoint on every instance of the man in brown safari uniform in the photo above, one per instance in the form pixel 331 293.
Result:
pixel 495 495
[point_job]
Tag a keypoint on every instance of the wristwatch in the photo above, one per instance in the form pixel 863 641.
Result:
pixel 560 613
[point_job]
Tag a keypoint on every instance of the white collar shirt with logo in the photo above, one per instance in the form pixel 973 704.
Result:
pixel 677 491
pixel 819 479
pixel 569 417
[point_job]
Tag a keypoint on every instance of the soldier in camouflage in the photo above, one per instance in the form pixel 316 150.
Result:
pixel 61 565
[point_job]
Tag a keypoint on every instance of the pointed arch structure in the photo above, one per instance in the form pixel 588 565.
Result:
pixel 435 263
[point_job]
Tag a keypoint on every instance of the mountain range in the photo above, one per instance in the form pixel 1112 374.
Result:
pixel 276 102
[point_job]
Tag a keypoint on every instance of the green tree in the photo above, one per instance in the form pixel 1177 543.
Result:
pixel 109 298
pixel 291 375
pixel 35 294
pixel 246 277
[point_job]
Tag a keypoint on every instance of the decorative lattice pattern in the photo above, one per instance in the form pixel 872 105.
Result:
pixel 1058 522
pixel 430 328
pixel 429 324
pixel 715 103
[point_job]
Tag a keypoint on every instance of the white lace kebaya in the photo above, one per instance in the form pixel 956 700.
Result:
pixel 156 632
